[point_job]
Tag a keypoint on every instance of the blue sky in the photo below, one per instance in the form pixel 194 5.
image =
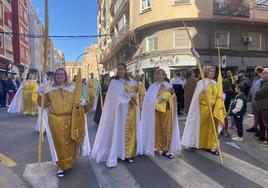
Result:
pixel 71 17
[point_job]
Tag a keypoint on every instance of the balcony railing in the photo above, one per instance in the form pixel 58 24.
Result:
pixel 225 9
pixel 120 35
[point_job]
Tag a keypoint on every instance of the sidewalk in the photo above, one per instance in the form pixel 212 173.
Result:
pixel 249 137
pixel 9 179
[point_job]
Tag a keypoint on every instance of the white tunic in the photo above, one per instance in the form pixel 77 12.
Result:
pixel 190 137
pixel 110 138
pixel 147 124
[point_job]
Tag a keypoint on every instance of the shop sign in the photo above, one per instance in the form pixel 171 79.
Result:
pixel 163 60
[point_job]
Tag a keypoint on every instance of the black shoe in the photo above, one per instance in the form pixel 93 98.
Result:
pixel 170 156
pixel 252 130
pixel 214 152
pixel 60 174
pixel 257 134
pixel 130 160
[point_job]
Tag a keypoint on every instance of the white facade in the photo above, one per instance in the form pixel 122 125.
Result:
pixel 36 29
pixel 35 43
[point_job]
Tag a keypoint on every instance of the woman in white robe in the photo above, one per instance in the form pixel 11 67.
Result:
pixel 118 128
pixel 159 120
pixel 25 99
pixel 199 132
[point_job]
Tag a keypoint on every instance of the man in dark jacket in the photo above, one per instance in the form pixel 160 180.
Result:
pixel 242 79
pixel 11 88
pixel 261 97
pixel 178 85
pixel 3 96
pixel 255 86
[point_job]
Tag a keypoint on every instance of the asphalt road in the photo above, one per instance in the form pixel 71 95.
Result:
pixel 245 163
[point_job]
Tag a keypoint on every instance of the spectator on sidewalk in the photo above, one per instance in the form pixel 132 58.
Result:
pixel 18 81
pixel 255 87
pixel 228 91
pixel 242 79
pixel 3 96
pixel 1 91
pixel 11 88
pixel 262 105
pixel 177 84
pixel 189 88
pixel 238 110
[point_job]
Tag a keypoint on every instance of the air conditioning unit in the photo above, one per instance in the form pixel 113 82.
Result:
pixel 247 39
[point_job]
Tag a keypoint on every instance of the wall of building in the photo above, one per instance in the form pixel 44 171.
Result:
pixel 36 44
pixel 89 63
pixel 163 18
pixel 72 69
pixel 165 11
pixel 6 48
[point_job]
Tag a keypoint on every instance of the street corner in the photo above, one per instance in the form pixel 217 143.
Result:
pixel 41 175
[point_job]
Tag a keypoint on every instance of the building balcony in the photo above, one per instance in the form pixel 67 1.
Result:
pixel 228 9
pixel 119 36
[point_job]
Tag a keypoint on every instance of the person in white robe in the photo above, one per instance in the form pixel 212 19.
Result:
pixel 159 120
pixel 118 132
pixel 25 99
pixel 199 132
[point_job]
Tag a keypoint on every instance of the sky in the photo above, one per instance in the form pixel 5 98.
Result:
pixel 70 17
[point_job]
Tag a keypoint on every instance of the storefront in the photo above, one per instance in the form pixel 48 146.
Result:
pixel 170 63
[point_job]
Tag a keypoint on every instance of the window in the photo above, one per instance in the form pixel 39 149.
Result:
pixel 262 3
pixel 1 11
pixel 20 11
pixel 26 37
pixel 25 16
pixel 8 42
pixel 222 38
pixel 122 24
pixel 7 17
pixel 145 5
pixel 181 39
pixel 22 53
pixel 26 56
pixel 222 4
pixel 255 43
pixel 21 32
pixel 152 43
pixel 1 41
pixel 176 2
pixel 117 5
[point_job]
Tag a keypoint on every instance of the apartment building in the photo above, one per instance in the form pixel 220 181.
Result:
pixel 20 26
pixel 89 64
pixel 36 44
pixel 72 69
pixel 6 47
pixel 148 34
